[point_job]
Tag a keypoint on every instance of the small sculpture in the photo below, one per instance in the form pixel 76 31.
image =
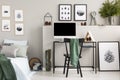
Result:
pixel 93 19
pixel 89 37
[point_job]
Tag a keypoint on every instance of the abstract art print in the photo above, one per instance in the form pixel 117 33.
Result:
pixel 80 12
pixel 19 29
pixel 5 25
pixel 108 55
pixel 18 15
pixel 5 11
pixel 65 12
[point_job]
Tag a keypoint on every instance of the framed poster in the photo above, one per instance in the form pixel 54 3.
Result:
pixel 108 55
pixel 80 12
pixel 65 12
pixel 5 11
pixel 18 15
pixel 5 25
pixel 19 29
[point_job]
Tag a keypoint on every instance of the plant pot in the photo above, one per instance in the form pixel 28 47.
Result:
pixel 110 20
pixel 48 59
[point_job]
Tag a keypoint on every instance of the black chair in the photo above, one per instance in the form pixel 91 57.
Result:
pixel 67 57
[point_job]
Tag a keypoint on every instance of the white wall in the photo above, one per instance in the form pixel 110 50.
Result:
pixel 34 11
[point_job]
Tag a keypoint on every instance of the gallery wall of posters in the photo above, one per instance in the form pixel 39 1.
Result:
pixel 6 27
pixel 19 26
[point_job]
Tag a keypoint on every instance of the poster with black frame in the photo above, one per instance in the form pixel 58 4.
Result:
pixel 65 12
pixel 108 55
pixel 80 12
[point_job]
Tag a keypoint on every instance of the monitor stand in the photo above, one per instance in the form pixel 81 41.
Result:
pixel 59 39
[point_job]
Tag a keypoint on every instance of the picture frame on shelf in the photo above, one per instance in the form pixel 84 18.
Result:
pixel 5 11
pixel 108 56
pixel 19 29
pixel 65 12
pixel 80 12
pixel 5 25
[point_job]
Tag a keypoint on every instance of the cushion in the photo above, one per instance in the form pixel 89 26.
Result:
pixel 22 50
pixel 9 51
pixel 15 42
pixel 8 44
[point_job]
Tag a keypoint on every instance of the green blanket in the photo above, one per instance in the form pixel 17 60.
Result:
pixel 6 69
pixel 74 52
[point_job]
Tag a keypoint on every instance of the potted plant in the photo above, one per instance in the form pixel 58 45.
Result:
pixel 108 10
pixel 118 9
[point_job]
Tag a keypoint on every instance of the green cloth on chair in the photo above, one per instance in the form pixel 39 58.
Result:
pixel 74 51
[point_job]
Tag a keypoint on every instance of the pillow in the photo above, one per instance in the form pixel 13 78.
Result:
pixel 22 50
pixel 15 42
pixel 8 44
pixel 9 51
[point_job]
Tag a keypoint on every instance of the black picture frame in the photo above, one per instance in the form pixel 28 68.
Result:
pixel 108 56
pixel 65 12
pixel 80 12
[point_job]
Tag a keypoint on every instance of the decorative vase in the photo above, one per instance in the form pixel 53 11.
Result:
pixel 110 20
pixel 48 59
pixel 119 20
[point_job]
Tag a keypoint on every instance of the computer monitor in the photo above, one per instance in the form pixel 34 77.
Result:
pixel 65 30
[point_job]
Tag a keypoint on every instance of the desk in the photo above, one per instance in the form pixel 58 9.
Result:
pixel 91 45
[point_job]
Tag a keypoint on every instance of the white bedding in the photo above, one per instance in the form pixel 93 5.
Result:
pixel 20 64
pixel 21 68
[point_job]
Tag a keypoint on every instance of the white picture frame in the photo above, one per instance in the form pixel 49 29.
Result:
pixel 19 29
pixel 80 12
pixel 5 11
pixel 18 15
pixel 108 55
pixel 5 25
pixel 65 12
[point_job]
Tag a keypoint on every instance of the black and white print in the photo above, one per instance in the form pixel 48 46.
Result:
pixel 65 12
pixel 19 29
pixel 5 11
pixel 18 15
pixel 80 12
pixel 5 25
pixel 108 55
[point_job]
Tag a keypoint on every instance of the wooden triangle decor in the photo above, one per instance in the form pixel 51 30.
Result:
pixel 89 37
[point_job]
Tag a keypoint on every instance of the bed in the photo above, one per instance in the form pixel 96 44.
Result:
pixel 21 68
pixel 20 64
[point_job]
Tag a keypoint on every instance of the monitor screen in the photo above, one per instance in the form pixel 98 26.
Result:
pixel 65 29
